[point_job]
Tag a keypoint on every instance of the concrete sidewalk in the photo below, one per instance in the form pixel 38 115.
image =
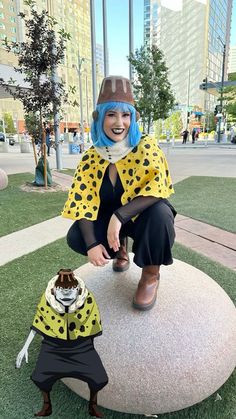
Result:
pixel 213 242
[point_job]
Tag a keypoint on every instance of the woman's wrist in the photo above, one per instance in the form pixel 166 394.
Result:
pixel 120 218
pixel 92 245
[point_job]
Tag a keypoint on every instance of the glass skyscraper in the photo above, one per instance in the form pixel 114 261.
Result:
pixel 191 34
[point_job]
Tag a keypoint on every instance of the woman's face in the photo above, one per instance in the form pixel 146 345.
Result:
pixel 116 124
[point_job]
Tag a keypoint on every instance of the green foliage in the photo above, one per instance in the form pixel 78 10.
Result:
pixel 9 124
pixel 210 121
pixel 37 60
pixel 152 89
pixel 32 122
pixel 232 76
pixel 173 124
pixel 229 95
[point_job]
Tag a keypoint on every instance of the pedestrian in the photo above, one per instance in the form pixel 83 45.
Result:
pixel 193 135
pixel 120 189
pixel 75 136
pixel 81 142
pixel 233 134
pixel 185 135
pixel 48 137
pixel 68 320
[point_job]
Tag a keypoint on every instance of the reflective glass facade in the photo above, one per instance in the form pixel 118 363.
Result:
pixel 191 37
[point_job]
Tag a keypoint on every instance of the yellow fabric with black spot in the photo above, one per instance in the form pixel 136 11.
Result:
pixel 143 172
pixel 83 322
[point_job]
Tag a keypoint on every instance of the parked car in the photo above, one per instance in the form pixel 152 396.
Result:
pixel 11 140
pixel 7 138
pixel 2 137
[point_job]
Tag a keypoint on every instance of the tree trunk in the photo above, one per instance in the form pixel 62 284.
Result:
pixel 149 124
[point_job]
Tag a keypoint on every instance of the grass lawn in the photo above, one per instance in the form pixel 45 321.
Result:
pixel 70 172
pixel 19 209
pixel 23 281
pixel 208 199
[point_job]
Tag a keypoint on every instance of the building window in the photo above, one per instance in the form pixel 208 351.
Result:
pixel 2 36
pixel 1 5
pixel 11 8
pixel 2 26
pixel 13 39
pixel 13 30
pixel 12 19
pixel 1 15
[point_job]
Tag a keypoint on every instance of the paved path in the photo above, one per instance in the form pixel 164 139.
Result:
pixel 213 242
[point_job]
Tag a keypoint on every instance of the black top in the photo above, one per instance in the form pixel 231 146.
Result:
pixel 110 203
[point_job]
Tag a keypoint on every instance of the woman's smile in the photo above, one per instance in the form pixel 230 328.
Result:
pixel 116 125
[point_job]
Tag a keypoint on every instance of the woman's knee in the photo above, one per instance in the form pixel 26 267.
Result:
pixel 160 213
pixel 75 240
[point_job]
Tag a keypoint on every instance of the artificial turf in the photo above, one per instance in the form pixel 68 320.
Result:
pixel 208 199
pixel 20 209
pixel 22 282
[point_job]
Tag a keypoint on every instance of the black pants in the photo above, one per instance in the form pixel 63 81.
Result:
pixel 152 233
pixel 57 360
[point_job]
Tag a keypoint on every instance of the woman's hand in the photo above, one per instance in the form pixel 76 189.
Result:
pixel 98 255
pixel 113 232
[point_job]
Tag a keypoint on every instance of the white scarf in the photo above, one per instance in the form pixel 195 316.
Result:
pixel 115 152
pixel 56 305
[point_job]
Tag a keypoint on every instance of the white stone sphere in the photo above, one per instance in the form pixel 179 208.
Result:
pixel 3 180
pixel 170 357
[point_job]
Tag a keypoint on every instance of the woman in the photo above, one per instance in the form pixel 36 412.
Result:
pixel 119 190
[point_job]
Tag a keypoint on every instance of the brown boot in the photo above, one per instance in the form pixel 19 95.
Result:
pixel 47 407
pixel 93 408
pixel 121 262
pixel 146 292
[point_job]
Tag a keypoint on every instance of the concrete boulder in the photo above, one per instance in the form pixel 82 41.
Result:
pixel 171 357
pixel 3 180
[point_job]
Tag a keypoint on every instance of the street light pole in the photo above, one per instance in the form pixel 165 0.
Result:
pixel 93 52
pixel 56 115
pixel 80 62
pixel 105 49
pixel 222 86
pixel 188 91
pixel 131 36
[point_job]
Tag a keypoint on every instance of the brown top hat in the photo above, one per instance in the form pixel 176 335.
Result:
pixel 115 89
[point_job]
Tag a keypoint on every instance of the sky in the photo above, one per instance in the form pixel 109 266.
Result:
pixel 118 31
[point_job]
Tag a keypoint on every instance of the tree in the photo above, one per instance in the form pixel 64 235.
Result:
pixel 9 124
pixel 210 123
pixel 230 103
pixel 37 59
pixel 174 124
pixel 152 90
pixel 229 99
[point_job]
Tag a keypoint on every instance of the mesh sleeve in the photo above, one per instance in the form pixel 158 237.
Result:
pixel 87 230
pixel 135 207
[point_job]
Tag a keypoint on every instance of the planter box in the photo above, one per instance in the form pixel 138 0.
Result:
pixel 4 147
pixel 25 147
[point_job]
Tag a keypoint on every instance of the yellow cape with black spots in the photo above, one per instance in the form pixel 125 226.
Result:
pixel 83 322
pixel 143 172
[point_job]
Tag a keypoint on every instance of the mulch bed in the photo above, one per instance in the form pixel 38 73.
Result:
pixel 30 187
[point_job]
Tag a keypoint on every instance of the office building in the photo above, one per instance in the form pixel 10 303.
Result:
pixel 191 34
pixel 232 60
pixel 74 17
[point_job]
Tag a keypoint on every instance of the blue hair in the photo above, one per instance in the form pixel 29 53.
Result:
pixel 99 137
